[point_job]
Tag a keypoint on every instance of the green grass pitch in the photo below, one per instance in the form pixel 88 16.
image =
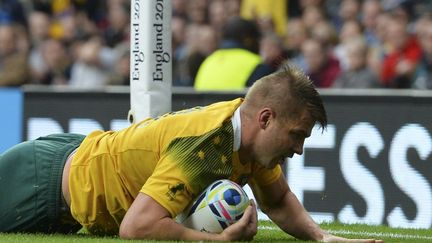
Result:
pixel 268 232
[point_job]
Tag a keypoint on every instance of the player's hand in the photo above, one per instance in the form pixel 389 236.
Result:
pixel 246 228
pixel 332 238
pixel 404 67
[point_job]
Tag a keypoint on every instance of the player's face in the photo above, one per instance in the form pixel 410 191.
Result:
pixel 281 140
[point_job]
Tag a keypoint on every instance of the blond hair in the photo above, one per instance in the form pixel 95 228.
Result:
pixel 288 92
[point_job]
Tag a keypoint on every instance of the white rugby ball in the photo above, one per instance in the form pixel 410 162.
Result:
pixel 220 205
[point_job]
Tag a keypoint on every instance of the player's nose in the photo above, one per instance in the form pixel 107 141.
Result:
pixel 298 149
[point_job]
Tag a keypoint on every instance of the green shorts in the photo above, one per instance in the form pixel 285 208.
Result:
pixel 30 185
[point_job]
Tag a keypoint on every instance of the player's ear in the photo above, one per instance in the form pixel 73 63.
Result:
pixel 265 117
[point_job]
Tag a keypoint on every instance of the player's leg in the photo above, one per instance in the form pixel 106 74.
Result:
pixel 18 188
pixel 51 154
pixel 30 191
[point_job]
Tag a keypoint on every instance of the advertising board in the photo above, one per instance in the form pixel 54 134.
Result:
pixel 11 112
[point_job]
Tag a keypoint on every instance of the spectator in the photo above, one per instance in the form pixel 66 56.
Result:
pixel 323 68
pixel 371 9
pixel 400 63
pixel 379 48
pixel 117 31
pixel 421 24
pixel 14 70
pixel 423 73
pixel 403 10
pixel 351 30
pixel 121 74
pixel 326 33
pixel 39 27
pixel 296 35
pixel 72 27
pixel 74 22
pixel 197 13
pixel 21 39
pixel 312 15
pixel 57 63
pixel 237 64
pixel 207 41
pixel 180 51
pixel 178 35
pixel 357 74
pixel 206 44
pixel 179 8
pixel 217 16
pixel 232 8
pixel 310 3
pixel 188 57
pixel 349 10
pixel 88 70
pixel 272 51
pixel 12 12
pixel 272 14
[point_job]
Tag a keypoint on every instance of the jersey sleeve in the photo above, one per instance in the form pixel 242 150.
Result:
pixel 169 187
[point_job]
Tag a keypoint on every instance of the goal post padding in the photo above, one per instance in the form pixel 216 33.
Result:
pixel 150 59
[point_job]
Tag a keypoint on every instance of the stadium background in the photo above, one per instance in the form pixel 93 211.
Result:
pixel 372 165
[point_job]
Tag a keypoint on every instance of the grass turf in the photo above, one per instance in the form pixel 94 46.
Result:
pixel 268 232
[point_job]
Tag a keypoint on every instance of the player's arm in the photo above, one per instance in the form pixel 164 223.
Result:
pixel 147 219
pixel 284 209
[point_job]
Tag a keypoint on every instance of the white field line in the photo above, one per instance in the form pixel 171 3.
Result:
pixel 364 233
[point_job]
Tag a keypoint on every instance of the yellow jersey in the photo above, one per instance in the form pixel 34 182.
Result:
pixel 172 159
pixel 226 69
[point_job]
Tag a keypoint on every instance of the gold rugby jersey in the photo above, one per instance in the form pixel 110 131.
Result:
pixel 172 159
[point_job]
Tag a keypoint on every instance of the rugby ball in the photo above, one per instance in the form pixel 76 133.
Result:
pixel 220 205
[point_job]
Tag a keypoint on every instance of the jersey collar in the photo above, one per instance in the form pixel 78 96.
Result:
pixel 236 123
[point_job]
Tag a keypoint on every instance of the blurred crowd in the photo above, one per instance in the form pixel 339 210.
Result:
pixel 338 43
pixel 79 43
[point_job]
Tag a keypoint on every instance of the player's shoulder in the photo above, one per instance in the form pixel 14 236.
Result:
pixel 229 106
pixel 219 111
